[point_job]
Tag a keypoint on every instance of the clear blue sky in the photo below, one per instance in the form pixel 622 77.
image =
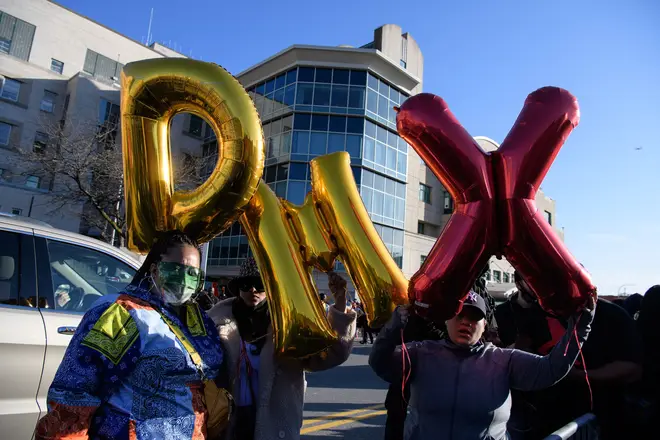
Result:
pixel 484 57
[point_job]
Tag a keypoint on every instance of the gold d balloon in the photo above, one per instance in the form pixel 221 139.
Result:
pixel 153 92
pixel 288 241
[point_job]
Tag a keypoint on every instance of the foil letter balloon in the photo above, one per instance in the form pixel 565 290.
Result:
pixel 288 241
pixel 468 239
pixel 496 211
pixel 153 92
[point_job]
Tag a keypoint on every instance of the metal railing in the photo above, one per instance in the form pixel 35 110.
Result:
pixel 582 428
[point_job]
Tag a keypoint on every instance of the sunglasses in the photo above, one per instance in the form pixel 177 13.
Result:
pixel 247 286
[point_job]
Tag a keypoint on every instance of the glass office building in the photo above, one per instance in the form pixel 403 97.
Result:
pixel 316 100
pixel 311 111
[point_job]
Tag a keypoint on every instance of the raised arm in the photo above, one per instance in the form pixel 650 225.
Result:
pixel 529 371
pixel 342 322
pixel 386 355
pixel 98 358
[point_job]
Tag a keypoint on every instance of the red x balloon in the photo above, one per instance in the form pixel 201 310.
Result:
pixel 495 209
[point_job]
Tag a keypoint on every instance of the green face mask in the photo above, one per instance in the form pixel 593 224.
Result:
pixel 178 282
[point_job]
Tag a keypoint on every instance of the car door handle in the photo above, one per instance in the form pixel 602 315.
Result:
pixel 66 330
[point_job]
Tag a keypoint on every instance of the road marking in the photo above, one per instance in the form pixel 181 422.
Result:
pixel 341 414
pixel 345 421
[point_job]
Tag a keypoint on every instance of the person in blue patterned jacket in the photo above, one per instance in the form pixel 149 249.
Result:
pixel 138 363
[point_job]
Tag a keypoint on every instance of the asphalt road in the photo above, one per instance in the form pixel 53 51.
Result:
pixel 345 402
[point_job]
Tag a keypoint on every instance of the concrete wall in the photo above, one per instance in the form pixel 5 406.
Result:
pixel 390 40
pixel 64 35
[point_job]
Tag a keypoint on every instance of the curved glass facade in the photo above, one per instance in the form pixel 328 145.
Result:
pixel 307 112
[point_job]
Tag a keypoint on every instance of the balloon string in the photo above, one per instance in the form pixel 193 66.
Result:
pixel 586 375
pixel 406 376
pixel 584 365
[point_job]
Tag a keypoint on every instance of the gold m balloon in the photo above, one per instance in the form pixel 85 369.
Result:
pixel 288 241
pixel 153 92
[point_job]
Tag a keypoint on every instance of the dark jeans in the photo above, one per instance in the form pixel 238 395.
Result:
pixel 366 330
pixel 246 417
pixel 397 409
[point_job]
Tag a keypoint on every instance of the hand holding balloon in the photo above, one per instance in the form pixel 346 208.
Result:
pixel 338 286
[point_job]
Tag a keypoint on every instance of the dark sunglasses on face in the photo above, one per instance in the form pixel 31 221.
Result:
pixel 259 287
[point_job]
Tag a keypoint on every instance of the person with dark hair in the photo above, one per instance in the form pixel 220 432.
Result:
pixel 480 288
pixel 460 387
pixel 633 304
pixel 142 363
pixel 649 316
pixel 268 390
pixel 612 357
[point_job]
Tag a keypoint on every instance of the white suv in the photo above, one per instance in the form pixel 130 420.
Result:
pixel 48 279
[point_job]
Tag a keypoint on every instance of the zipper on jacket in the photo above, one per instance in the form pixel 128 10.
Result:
pixel 453 407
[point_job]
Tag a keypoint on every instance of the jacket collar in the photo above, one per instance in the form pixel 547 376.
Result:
pixel 462 350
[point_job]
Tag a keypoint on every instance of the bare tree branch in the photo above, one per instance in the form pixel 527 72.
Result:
pixel 81 163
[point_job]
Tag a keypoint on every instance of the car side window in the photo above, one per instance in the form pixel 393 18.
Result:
pixel 17 271
pixel 80 275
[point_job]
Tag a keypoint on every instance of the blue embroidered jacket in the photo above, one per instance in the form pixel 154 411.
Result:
pixel 125 375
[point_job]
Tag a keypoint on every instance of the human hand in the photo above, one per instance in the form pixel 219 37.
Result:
pixel 62 298
pixel 587 311
pixel 338 286
pixel 403 314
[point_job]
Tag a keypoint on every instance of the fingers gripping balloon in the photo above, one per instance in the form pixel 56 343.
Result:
pixel 495 208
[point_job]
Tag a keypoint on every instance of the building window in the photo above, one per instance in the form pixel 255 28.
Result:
pixel 108 123
pixel 48 102
pixel 40 142
pixel 101 66
pixel 422 259
pixel 32 182
pixel 506 277
pixel 16 211
pixel 488 277
pixel 56 66
pixel 420 228
pixel 16 36
pixel 5 133
pixel 497 276
pixel 548 217
pixel 404 51
pixel 424 193
pixel 195 125
pixel 448 203
pixel 10 90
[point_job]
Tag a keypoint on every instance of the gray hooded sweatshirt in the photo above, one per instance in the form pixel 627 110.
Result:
pixel 463 393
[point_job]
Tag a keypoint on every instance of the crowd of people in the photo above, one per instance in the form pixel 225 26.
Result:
pixel 150 363
pixel 522 372
pixel 166 359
